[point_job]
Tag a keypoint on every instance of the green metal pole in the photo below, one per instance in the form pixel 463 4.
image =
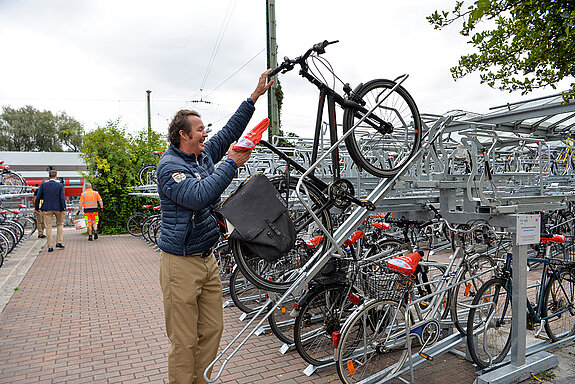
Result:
pixel 149 118
pixel 272 62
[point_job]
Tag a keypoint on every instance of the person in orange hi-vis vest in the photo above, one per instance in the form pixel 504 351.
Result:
pixel 89 201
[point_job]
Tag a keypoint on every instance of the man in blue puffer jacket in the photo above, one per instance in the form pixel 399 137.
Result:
pixel 190 186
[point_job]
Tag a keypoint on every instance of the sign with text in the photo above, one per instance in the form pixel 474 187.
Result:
pixel 528 229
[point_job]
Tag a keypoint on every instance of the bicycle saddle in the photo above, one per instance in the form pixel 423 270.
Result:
pixel 552 239
pixel 405 264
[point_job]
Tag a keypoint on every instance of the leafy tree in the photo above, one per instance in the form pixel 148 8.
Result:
pixel 522 44
pixel 113 159
pixel 28 129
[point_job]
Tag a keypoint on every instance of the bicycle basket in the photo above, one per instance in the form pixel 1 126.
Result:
pixel 384 284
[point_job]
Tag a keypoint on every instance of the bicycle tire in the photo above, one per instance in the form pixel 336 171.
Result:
pixel 10 236
pixel 279 275
pixel 152 228
pixel 29 225
pixel 134 224
pixel 463 294
pixel 281 323
pixel 16 228
pixel 365 349
pixel 559 302
pixel 225 258
pixel 245 296
pixel 157 229
pixel 147 174
pixel 427 279
pixel 323 312
pixel 4 245
pixel 383 151
pixel 14 179
pixel 146 227
pixel 489 324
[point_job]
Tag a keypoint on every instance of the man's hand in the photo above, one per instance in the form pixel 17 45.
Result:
pixel 239 157
pixel 262 86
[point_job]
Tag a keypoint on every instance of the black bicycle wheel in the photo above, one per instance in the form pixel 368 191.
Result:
pixel 29 225
pixel 134 223
pixel 10 236
pixel 246 296
pixel 322 313
pixel 147 174
pixel 559 305
pixel 390 135
pixel 4 245
pixel 281 322
pixel 489 323
pixel 461 296
pixel 369 344
pixel 146 224
pixel 277 276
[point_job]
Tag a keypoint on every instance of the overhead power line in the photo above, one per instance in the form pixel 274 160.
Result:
pixel 233 74
pixel 223 28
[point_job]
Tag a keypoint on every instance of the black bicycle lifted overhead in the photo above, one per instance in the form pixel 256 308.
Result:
pixel 383 129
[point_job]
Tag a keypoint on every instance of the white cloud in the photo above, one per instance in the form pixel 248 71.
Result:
pixel 96 59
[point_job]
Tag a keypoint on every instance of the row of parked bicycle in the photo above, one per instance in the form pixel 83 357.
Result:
pixel 15 225
pixel 390 282
pixel 397 277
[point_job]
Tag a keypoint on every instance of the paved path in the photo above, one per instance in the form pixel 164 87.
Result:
pixel 92 313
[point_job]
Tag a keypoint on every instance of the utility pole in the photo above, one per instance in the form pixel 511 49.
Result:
pixel 272 61
pixel 149 118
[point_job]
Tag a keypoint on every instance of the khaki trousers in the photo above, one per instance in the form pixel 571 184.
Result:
pixel 192 293
pixel 59 227
pixel 40 223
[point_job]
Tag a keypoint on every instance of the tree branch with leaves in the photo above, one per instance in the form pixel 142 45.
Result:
pixel 521 45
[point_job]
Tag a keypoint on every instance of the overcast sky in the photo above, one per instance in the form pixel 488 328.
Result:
pixel 95 59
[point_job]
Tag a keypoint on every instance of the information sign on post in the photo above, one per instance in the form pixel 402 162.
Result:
pixel 528 229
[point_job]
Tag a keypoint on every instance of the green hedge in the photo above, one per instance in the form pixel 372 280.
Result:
pixel 113 158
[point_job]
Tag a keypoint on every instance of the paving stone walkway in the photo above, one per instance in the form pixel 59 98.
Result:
pixel 92 313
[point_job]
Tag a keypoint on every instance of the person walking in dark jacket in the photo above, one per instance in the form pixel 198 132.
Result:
pixel 51 193
pixel 189 186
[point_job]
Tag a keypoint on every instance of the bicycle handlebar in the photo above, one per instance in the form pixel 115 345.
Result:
pixel 288 64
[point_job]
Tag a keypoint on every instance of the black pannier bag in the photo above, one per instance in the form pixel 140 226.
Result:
pixel 260 218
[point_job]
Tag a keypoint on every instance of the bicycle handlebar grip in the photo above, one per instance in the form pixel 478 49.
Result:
pixel 320 47
pixel 276 71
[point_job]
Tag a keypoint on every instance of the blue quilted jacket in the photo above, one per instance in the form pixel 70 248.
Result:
pixel 190 187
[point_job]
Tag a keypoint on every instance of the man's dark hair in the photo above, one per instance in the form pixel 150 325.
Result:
pixel 52 173
pixel 180 122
